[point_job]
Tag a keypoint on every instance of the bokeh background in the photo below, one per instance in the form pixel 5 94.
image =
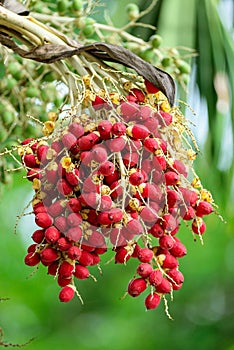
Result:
pixel 203 310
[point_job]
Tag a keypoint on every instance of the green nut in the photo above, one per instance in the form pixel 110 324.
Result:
pixel 77 5
pixel 132 11
pixel 62 5
pixel 10 83
pixel 7 117
pixel 147 55
pixel 183 66
pixel 88 30
pixel 17 131
pixel 49 77
pixel 38 8
pixel 89 20
pixel 80 22
pixel 13 67
pixel 32 92
pixel 15 70
pixel 132 46
pixel 33 130
pixel 155 40
pixel 166 61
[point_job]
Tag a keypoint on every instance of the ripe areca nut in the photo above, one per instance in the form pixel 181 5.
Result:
pixel 136 287
pixel 116 144
pixel 138 131
pixel 66 293
pixel 152 301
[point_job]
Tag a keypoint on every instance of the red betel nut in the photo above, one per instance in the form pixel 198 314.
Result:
pixel 63 244
pixel 66 294
pixel 53 268
pixel 42 152
pixel 43 220
pixel 198 226
pixel 155 277
pixel 38 236
pixel 106 168
pixel 32 259
pixel 63 281
pixel 122 255
pixel 118 129
pixel 204 208
pixel 152 145
pixel 86 258
pixel 136 287
pixel 168 222
pixel 29 160
pixel 117 144
pixel 148 215
pixel 66 269
pixel 129 110
pixel 138 131
pixel 72 177
pixel 138 94
pixel 74 234
pixel 145 255
pixel 169 261
pixel 165 118
pixel 104 128
pixel 69 140
pixel 61 223
pixel 178 250
pixel 134 226
pixel 99 154
pixel 52 234
pixel 150 88
pixel 164 286
pixel 56 208
pixel 152 301
pixel 176 276
pixel 157 230
pixel 166 242
pixel 96 240
pixel 76 129
pixel 189 197
pixel 171 178
pixel 81 272
pixel 74 253
pixel 189 214
pixel 64 187
pixel 33 174
pixel 48 255
pixel 130 159
pixel 144 270
pixel 73 205
pixel 180 167
pixel 136 178
pixel 86 142
pixel 74 219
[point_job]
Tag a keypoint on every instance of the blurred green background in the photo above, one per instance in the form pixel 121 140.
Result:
pixel 203 310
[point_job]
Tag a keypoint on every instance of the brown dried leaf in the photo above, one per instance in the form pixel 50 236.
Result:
pixel 49 53
pixel 161 79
